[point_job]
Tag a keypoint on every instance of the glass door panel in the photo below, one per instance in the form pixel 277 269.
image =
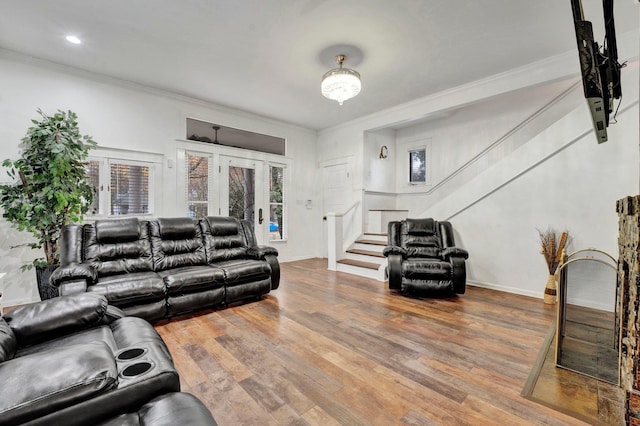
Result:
pixel 242 192
pixel 197 196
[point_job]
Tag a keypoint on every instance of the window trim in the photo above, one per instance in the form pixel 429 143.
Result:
pixel 216 152
pixel 420 145
pixel 185 173
pixel 150 200
pixel 285 203
pixel 106 157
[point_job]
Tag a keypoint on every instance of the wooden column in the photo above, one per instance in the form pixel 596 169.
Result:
pixel 628 279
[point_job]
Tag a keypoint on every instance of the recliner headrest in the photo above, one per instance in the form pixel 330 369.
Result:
pixel 118 230
pixel 8 343
pixel 223 226
pixel 177 228
pixel 421 226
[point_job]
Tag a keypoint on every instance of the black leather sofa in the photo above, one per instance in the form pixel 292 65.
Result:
pixel 75 360
pixel 171 409
pixel 167 266
pixel 423 259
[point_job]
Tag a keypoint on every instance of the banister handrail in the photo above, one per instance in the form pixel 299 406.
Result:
pixel 353 206
pixel 335 235
pixel 503 138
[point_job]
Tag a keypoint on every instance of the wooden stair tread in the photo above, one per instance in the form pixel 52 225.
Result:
pixel 359 263
pixel 379 234
pixel 372 242
pixel 366 252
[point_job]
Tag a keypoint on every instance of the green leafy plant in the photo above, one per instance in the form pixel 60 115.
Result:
pixel 50 188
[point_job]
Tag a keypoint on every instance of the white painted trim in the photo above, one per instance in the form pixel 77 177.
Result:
pixel 507 289
pixel 297 258
pixel 554 68
pixel 539 150
pixel 127 155
pixel 127 84
pixel 550 69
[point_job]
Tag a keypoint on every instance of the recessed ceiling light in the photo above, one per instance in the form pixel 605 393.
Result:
pixel 73 39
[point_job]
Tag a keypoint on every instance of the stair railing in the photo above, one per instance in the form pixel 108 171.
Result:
pixel 337 224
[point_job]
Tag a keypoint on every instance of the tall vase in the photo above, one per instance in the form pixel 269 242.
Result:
pixel 550 290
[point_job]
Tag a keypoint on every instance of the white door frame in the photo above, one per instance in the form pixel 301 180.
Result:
pixel 260 203
pixel 326 193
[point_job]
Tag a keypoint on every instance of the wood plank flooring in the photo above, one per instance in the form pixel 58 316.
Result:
pixel 595 401
pixel 329 348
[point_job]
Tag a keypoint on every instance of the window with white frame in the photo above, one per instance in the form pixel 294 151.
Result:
pixel 197 185
pixel 418 165
pixel 277 203
pixel 120 187
pixel 92 169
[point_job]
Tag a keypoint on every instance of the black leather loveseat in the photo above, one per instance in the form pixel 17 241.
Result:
pixel 168 266
pixel 423 258
pixel 74 360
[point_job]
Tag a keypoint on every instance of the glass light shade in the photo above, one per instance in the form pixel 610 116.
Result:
pixel 340 84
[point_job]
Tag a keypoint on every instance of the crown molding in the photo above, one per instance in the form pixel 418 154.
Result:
pixel 131 85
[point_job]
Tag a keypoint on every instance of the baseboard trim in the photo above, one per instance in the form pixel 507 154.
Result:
pixel 295 259
pixel 506 289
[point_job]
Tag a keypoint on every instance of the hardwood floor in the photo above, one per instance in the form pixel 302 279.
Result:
pixel 329 348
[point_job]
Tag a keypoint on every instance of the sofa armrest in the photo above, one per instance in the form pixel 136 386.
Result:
pixel 68 288
pixel 74 271
pixel 389 250
pixel 394 270
pixel 272 260
pixel 37 384
pixel 454 252
pixel 458 275
pixel 49 319
pixel 260 252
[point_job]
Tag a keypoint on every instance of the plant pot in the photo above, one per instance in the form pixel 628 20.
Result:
pixel 46 290
pixel 550 291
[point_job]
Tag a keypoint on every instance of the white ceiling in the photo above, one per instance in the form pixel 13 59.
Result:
pixel 267 56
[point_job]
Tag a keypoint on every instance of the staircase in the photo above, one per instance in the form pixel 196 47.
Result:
pixel 365 257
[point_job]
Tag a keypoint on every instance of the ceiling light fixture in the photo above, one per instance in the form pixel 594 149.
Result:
pixel 73 39
pixel 340 84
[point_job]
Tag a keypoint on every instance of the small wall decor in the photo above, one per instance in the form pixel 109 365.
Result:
pixel 384 151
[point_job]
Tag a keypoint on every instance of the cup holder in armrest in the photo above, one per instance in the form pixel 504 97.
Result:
pixel 136 369
pixel 131 354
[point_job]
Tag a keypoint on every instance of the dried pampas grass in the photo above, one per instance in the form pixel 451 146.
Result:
pixel 552 246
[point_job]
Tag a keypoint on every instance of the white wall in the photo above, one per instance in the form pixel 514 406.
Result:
pixel 124 116
pixel 574 189
pixel 557 175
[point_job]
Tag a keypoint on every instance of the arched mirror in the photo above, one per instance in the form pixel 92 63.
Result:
pixel 587 336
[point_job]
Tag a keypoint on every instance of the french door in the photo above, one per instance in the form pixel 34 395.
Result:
pixel 244 188
pixel 242 192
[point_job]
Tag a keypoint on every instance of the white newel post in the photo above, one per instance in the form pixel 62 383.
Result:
pixel 334 239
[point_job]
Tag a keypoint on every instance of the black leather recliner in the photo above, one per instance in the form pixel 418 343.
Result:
pixel 423 259
pixel 75 360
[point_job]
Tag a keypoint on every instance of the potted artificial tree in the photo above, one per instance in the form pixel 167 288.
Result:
pixel 50 188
